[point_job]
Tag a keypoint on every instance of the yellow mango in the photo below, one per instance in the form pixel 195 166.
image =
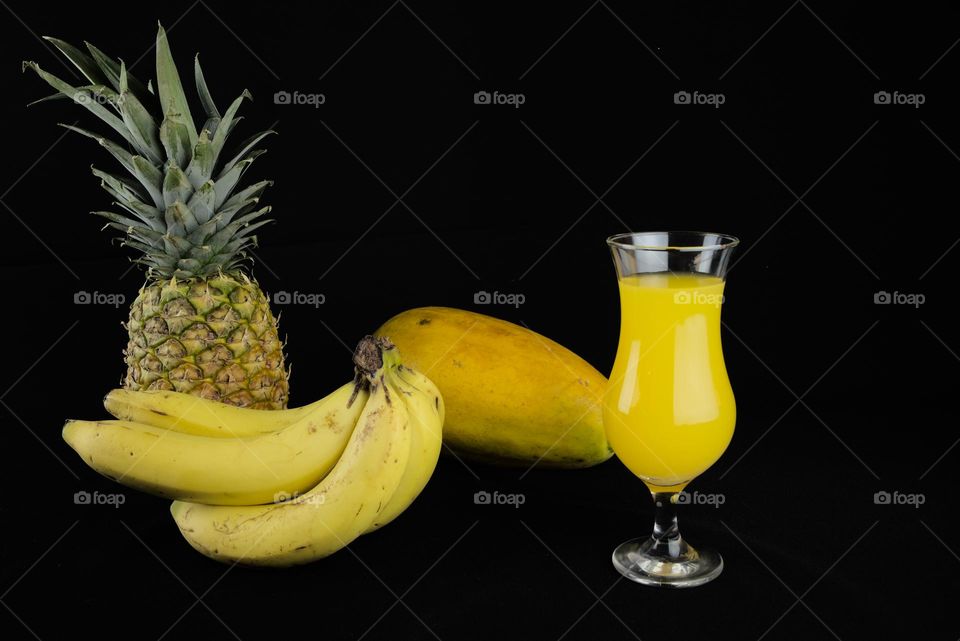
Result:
pixel 513 397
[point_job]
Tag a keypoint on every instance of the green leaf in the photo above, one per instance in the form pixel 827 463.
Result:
pixel 189 268
pixel 172 98
pixel 53 96
pixel 176 246
pixel 87 65
pixel 176 188
pixel 111 71
pixel 149 257
pixel 150 177
pixel 138 234
pixel 105 94
pixel 227 181
pixel 85 98
pixel 223 128
pixel 201 165
pixel 118 152
pixel 202 253
pixel 149 215
pixel 130 227
pixel 233 125
pixel 124 187
pixel 229 260
pixel 237 245
pixel 245 147
pixel 200 235
pixel 142 126
pixel 118 219
pixel 178 217
pixel 203 202
pixel 248 194
pixel 205 98
pixel 210 126
pixel 227 213
pixel 236 230
pixel 176 139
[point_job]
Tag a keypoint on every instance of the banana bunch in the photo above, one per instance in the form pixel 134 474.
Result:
pixel 276 487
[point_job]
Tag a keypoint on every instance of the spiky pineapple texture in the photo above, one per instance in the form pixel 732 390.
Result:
pixel 199 325
pixel 214 338
pixel 180 205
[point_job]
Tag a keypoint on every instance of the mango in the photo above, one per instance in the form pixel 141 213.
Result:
pixel 513 397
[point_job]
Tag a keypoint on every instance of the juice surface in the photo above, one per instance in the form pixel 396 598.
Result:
pixel 669 410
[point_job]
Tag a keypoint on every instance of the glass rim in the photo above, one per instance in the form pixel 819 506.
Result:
pixel 726 241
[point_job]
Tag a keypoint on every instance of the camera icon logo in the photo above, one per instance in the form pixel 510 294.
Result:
pixel 881 98
pixel 282 98
pixel 482 98
pixel 82 498
pixel 881 498
pixel 482 298
pixel 281 298
pixel 681 298
pixel 681 98
pixel 82 298
pixel 882 298
pixel 482 498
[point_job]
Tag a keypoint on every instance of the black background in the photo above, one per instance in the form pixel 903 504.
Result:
pixel 834 196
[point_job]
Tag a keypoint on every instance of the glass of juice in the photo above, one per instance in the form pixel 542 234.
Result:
pixel 668 409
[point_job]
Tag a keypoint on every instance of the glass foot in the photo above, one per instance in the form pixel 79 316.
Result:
pixel 646 561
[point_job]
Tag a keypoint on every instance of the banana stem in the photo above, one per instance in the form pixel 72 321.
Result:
pixel 373 353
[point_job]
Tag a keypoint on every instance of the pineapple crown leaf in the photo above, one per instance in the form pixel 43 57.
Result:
pixel 205 98
pixel 84 63
pixel 181 201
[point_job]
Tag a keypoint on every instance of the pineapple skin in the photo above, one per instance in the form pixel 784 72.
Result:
pixel 215 338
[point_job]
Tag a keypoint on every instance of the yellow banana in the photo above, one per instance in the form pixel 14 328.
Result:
pixel 325 519
pixel 223 471
pixel 425 408
pixel 199 416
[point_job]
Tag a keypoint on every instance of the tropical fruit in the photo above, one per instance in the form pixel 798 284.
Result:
pixel 200 324
pixel 513 397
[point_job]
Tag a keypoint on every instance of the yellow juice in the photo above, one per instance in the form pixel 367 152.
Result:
pixel 668 410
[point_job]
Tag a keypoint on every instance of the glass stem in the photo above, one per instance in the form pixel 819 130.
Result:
pixel 666 540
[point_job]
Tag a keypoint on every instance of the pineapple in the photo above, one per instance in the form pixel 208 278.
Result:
pixel 200 324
